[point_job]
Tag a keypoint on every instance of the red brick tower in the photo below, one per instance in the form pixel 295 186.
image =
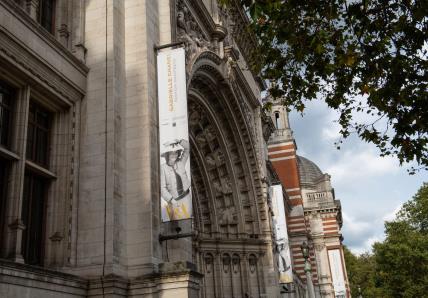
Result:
pixel 315 216
pixel 282 154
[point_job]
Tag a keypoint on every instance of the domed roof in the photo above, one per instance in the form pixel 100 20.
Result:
pixel 309 172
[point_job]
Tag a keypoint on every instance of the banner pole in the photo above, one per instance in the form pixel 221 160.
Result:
pixel 169 45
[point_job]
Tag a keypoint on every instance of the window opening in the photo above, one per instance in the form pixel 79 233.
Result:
pixel 38 134
pixel 278 121
pixel 6 95
pixel 3 186
pixel 33 217
pixel 47 14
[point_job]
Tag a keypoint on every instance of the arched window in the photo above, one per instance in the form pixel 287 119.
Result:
pixel 226 263
pixel 252 261
pixel 278 122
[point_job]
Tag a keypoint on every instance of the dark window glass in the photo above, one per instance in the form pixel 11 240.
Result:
pixel 47 14
pixel 3 186
pixel 6 95
pixel 38 134
pixel 33 214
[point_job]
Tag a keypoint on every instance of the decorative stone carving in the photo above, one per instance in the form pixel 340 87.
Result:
pixel 319 246
pixel 228 216
pixel 252 262
pixel 210 160
pixel 217 187
pixel 219 156
pixel 227 186
pixel 189 31
pixel 56 237
pixel 242 184
pixel 64 34
pixel 194 118
pixel 267 126
pixel 210 133
pixel 200 139
pixel 228 24
pixel 236 24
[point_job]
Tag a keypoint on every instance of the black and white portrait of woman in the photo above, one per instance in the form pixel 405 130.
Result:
pixel 284 261
pixel 175 182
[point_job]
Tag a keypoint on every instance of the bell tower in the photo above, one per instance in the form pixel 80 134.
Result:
pixel 282 154
pixel 282 151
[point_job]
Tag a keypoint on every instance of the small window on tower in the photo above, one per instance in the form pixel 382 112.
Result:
pixel 278 123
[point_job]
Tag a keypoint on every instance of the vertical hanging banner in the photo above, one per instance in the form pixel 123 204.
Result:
pixel 280 225
pixel 337 274
pixel 176 195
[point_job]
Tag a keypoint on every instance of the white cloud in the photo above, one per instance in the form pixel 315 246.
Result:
pixel 358 164
pixel 392 215
pixel 331 133
pixel 360 234
pixel 367 245
pixel 371 188
pixel 353 225
pixel 363 231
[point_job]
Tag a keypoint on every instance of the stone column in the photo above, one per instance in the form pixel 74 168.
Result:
pixel 101 214
pixel 32 8
pixel 78 29
pixel 15 190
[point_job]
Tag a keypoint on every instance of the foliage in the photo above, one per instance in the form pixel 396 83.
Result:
pixel 367 59
pixel 402 259
pixel 398 266
pixel 415 212
pixel 361 274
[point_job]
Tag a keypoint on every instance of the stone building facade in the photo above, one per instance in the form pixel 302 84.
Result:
pixel 79 170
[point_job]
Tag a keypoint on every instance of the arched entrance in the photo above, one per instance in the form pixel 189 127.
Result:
pixel 230 210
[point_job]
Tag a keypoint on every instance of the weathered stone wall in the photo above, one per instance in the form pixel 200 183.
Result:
pixel 105 201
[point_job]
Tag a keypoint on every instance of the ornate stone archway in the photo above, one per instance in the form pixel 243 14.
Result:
pixel 230 211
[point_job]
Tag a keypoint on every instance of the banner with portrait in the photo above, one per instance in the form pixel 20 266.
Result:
pixel 176 195
pixel 281 234
pixel 337 274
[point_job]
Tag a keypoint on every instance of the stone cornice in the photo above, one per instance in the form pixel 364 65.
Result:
pixel 204 16
pixel 35 27
pixel 37 273
pixel 40 73
pixel 66 79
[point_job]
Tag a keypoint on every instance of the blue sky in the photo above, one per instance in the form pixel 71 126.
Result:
pixel 371 188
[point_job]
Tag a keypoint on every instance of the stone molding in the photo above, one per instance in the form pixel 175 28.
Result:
pixel 34 64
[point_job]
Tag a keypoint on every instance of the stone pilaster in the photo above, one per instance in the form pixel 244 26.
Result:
pixel 15 190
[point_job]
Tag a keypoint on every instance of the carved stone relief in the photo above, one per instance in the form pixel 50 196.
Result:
pixel 189 32
pixel 319 246
pixel 228 216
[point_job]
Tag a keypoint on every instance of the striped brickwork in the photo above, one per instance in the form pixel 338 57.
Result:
pixel 283 158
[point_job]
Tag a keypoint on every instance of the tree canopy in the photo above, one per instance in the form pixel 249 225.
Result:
pixel 402 259
pixel 367 59
pixel 398 266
